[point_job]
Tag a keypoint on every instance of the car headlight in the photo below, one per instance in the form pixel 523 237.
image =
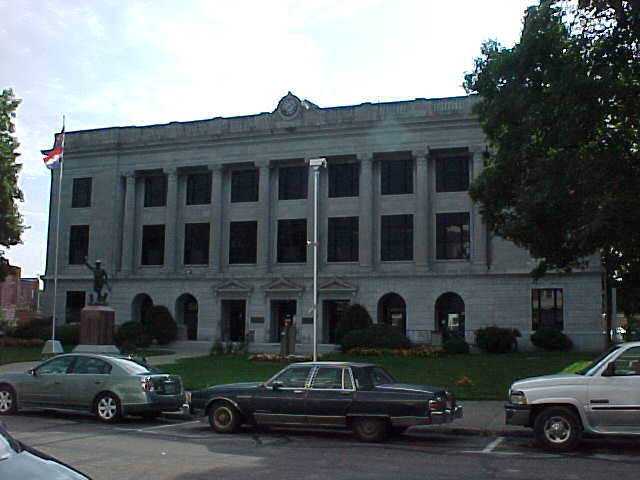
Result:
pixel 517 397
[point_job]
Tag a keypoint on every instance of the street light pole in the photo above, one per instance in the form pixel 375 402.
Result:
pixel 316 164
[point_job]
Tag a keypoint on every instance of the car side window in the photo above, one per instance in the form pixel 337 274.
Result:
pixel 628 363
pixel 294 377
pixel 327 378
pixel 91 366
pixel 347 381
pixel 55 366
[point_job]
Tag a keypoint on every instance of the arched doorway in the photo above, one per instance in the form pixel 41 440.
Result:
pixel 187 315
pixel 392 310
pixel 449 315
pixel 141 304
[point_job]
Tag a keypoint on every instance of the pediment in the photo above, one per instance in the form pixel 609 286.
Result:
pixel 233 287
pixel 337 286
pixel 283 285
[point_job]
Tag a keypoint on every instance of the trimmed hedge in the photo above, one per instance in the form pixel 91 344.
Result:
pixel 551 339
pixel 455 345
pixel 496 339
pixel 131 336
pixel 161 325
pixel 376 336
pixel 355 317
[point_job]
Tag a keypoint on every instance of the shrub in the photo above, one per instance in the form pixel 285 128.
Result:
pixel 38 328
pixel 355 317
pixel 496 339
pixel 68 334
pixel 161 325
pixel 376 336
pixel 551 339
pixel 131 336
pixel 455 345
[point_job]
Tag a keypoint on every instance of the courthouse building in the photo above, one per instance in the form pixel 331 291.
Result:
pixel 214 219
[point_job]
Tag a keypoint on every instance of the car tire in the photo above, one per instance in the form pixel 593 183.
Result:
pixel 108 408
pixel 224 418
pixel 8 400
pixel 557 429
pixel 370 429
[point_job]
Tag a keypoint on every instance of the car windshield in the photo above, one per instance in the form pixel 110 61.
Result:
pixel 133 366
pixel 379 376
pixel 592 365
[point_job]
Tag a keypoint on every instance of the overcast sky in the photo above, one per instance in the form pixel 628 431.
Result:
pixel 106 63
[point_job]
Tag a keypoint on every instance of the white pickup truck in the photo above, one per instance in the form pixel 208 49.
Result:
pixel 601 399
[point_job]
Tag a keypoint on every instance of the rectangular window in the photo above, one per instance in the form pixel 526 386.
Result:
pixel 396 237
pixel 74 305
pixel 452 173
pixel 155 191
pixel 292 183
pixel 199 188
pixel 396 176
pixel 244 185
pixel 547 308
pixel 452 236
pixel 243 242
pixel 342 241
pixel 152 245
pixel 343 180
pixel 78 244
pixel 292 241
pixel 196 243
pixel 81 197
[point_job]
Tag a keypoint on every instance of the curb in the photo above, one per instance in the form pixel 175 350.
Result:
pixel 484 432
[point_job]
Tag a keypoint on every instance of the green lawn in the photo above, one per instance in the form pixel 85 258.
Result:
pixel 490 375
pixel 34 354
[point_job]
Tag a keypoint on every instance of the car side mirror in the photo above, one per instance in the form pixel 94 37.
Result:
pixel 277 385
pixel 610 371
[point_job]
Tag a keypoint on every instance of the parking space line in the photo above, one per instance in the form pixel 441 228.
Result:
pixel 493 445
pixel 156 427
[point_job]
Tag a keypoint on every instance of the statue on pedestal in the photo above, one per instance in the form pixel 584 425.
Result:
pixel 101 287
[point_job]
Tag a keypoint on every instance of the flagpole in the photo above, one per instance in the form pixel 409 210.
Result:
pixel 55 268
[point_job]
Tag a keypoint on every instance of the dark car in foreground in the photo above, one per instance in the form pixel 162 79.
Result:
pixel 109 386
pixel 21 462
pixel 361 396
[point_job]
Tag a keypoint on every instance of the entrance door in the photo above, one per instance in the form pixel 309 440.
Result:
pixel 280 309
pixel 333 311
pixel 233 320
pixel 393 311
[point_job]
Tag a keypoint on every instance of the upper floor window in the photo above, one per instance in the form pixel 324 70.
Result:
pixel 547 308
pixel 155 191
pixel 396 237
pixel 152 245
pixel 452 173
pixel 81 196
pixel 396 176
pixel 452 236
pixel 78 244
pixel 243 242
pixel 244 185
pixel 292 183
pixel 199 188
pixel 342 241
pixel 196 243
pixel 343 180
pixel 292 241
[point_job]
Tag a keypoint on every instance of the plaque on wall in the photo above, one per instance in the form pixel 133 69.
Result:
pixel 257 319
pixel 307 320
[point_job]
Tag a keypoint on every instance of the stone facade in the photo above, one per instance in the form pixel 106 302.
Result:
pixel 419 255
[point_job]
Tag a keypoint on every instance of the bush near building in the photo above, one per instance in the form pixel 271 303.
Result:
pixel 376 336
pixel 131 335
pixel 496 339
pixel 356 317
pixel 551 340
pixel 160 325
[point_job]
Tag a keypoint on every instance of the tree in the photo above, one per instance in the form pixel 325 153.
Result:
pixel 11 226
pixel 561 112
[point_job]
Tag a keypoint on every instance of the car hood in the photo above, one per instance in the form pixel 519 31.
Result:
pixel 410 388
pixel 563 379
pixel 25 464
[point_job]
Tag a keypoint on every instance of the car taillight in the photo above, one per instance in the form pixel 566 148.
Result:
pixel 146 384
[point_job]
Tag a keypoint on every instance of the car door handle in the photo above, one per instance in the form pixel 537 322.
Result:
pixel 298 391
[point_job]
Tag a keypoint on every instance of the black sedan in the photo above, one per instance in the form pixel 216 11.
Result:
pixel 360 396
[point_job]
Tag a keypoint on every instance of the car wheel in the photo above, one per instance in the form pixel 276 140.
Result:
pixel 8 400
pixel 368 429
pixel 108 408
pixel 224 418
pixel 557 429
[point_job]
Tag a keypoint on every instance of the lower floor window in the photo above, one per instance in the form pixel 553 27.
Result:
pixel 547 308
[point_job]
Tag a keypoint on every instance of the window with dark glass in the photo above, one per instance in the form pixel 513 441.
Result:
pixel 292 183
pixel 81 196
pixel 199 188
pixel 152 245
pixel 547 308
pixel 244 185
pixel 343 180
pixel 452 236
pixel 292 241
pixel 452 173
pixel 78 244
pixel 243 242
pixel 342 241
pixel 74 305
pixel 396 237
pixel 155 191
pixel 196 243
pixel 396 176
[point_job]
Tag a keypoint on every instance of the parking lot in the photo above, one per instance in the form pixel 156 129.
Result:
pixel 173 448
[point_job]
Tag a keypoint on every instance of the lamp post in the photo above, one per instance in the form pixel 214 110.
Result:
pixel 316 164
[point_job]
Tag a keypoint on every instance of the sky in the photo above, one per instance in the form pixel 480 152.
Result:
pixel 107 63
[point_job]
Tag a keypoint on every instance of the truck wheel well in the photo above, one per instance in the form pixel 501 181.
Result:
pixel 537 409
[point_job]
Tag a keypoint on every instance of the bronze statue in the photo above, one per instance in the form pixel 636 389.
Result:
pixel 100 284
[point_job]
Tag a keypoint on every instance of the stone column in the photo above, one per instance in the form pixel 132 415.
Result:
pixel 128 224
pixel 264 216
pixel 171 219
pixel 421 240
pixel 366 238
pixel 478 227
pixel 215 246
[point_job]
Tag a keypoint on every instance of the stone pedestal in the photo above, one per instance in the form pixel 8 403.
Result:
pixel 96 330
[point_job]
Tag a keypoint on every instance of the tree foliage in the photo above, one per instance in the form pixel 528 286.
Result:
pixel 11 226
pixel 561 113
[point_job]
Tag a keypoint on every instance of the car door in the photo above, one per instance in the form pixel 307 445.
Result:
pixel 281 400
pixel 614 398
pixel 85 380
pixel 329 396
pixel 46 387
